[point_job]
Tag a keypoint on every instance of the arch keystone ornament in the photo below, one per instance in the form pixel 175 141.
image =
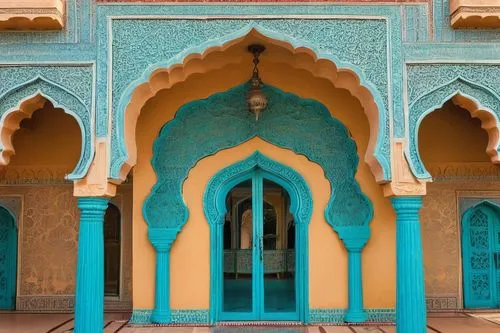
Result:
pixel 301 125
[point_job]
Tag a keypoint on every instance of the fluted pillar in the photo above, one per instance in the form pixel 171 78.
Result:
pixel 89 305
pixel 162 240
pixel 410 291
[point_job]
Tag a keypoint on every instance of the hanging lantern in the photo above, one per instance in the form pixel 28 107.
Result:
pixel 256 98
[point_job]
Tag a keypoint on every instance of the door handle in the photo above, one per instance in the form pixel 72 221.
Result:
pixel 261 251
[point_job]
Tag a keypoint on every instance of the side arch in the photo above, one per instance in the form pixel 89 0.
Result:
pixel 23 100
pixel 480 101
pixel 301 205
pixel 180 67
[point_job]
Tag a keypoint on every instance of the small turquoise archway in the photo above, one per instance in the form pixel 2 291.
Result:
pixel 8 263
pixel 214 204
pixel 480 245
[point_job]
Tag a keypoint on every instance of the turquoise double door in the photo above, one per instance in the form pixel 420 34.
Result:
pixel 481 256
pixel 258 252
pixel 8 258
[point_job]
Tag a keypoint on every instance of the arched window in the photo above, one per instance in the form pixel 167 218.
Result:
pixel 112 251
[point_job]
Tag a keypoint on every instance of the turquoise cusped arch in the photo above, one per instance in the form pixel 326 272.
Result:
pixel 60 97
pixel 301 205
pixel 488 100
pixel 204 127
pixel 380 159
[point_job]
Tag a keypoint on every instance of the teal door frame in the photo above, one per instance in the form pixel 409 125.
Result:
pixel 259 168
pixel 482 248
pixel 8 258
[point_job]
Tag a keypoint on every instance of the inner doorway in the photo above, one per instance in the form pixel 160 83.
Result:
pixel 481 256
pixel 258 252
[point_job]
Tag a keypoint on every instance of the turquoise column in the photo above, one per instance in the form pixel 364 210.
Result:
pixel 354 241
pixel 410 291
pixel 162 240
pixel 89 304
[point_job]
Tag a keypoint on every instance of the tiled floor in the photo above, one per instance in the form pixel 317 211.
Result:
pixel 117 323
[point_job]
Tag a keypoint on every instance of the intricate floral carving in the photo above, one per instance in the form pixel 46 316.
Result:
pixel 346 42
pixel 304 126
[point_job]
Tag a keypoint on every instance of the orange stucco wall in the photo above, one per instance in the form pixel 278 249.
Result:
pixel 190 254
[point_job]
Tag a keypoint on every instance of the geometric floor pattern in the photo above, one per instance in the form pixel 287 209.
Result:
pixel 11 322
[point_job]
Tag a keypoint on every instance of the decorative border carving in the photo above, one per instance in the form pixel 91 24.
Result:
pixel 332 316
pixel 33 175
pixel 436 304
pixel 64 303
pixel 473 171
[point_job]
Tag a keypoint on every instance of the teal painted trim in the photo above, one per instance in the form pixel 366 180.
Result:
pixel 410 293
pixel 214 204
pixel 162 240
pixel 479 282
pixel 89 303
pixel 198 316
pixel 433 100
pixel 201 316
pixel 8 264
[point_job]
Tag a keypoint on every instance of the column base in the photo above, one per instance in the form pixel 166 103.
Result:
pixel 161 317
pixel 355 317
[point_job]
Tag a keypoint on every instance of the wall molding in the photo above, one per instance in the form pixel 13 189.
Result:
pixel 472 171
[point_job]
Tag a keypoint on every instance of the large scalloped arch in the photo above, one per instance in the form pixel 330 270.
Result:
pixel 23 100
pixel 303 126
pixel 145 87
pixel 480 101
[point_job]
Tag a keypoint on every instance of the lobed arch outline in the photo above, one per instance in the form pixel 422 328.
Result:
pixel 176 70
pixel 23 100
pixel 301 205
pixel 480 101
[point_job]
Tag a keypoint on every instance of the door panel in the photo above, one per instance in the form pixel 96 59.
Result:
pixel 478 259
pixel 238 281
pixel 279 251
pixel 8 258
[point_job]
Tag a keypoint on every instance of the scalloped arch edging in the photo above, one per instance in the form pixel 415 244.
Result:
pixel 23 100
pixel 142 89
pixel 289 122
pixel 480 101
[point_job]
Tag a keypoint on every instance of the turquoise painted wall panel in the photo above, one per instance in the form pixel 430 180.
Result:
pixel 8 260
pixel 304 126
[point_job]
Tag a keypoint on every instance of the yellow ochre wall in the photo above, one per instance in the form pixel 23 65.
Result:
pixel 190 265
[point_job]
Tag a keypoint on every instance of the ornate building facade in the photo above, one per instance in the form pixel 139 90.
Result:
pixel 208 162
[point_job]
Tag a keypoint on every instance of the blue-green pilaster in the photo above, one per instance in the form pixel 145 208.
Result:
pixel 410 291
pixel 89 306
pixel 355 241
pixel 162 240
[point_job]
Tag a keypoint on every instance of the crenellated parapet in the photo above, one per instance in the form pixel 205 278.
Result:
pixel 32 14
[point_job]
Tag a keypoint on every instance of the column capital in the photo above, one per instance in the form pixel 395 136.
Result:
pixel 162 238
pixel 354 238
pixel 96 183
pixel 403 181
